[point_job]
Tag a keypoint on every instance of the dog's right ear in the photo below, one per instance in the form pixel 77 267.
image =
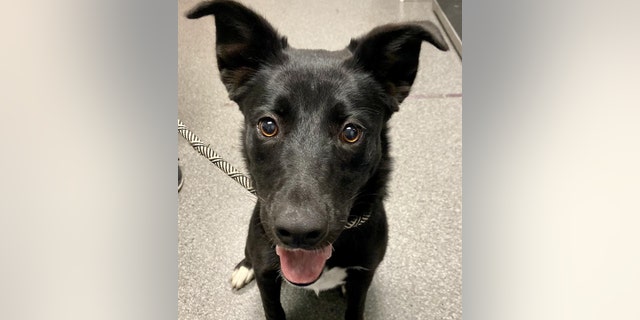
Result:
pixel 245 41
pixel 391 52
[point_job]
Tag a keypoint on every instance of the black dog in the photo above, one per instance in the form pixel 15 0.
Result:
pixel 315 143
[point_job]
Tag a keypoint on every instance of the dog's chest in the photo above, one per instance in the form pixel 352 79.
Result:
pixel 329 279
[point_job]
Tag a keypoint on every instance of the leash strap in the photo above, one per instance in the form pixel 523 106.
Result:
pixel 208 153
pixel 237 176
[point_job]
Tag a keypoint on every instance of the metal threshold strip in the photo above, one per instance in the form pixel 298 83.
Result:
pixel 448 28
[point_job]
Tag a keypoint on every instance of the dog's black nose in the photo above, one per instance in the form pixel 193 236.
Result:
pixel 305 235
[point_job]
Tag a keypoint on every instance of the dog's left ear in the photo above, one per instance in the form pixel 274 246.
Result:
pixel 245 42
pixel 390 52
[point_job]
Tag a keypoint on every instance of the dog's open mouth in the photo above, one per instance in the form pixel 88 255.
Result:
pixel 303 267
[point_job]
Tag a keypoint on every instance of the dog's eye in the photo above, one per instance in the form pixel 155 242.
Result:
pixel 351 133
pixel 268 127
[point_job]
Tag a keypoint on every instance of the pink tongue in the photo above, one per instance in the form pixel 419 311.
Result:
pixel 302 266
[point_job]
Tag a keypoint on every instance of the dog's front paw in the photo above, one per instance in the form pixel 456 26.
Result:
pixel 241 276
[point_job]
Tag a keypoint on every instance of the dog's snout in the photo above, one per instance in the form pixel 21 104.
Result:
pixel 300 235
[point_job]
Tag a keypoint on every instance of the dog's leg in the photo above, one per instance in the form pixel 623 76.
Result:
pixel 242 274
pixel 357 286
pixel 269 284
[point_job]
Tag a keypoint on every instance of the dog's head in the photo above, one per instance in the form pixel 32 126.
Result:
pixel 315 121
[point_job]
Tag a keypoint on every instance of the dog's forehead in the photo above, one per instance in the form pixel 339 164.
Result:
pixel 314 85
pixel 313 67
pixel 316 76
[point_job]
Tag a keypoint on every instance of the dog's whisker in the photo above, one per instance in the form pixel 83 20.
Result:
pixel 356 195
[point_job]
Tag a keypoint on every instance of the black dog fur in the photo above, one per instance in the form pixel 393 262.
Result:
pixel 315 143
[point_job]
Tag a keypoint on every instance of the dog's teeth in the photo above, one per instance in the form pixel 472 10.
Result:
pixel 241 276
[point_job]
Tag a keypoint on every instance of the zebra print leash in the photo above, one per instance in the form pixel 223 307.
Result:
pixel 237 176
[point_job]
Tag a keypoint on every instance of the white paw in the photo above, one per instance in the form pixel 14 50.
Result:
pixel 240 277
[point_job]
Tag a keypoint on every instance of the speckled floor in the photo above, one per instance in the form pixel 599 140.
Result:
pixel 421 276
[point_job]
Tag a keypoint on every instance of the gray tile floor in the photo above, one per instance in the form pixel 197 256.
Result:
pixel 421 276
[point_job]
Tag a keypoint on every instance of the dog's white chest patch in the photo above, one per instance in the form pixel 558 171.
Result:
pixel 329 279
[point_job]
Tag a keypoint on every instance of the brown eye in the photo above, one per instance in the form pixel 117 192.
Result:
pixel 268 127
pixel 351 133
